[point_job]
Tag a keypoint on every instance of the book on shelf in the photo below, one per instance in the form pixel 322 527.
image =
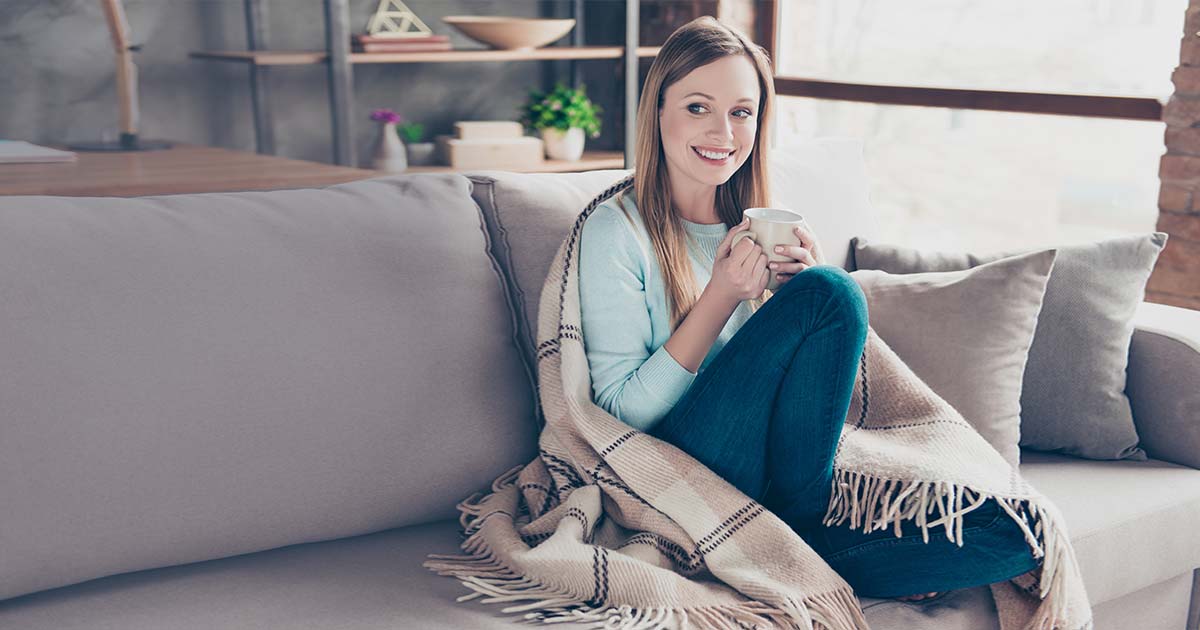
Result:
pixel 363 38
pixel 400 47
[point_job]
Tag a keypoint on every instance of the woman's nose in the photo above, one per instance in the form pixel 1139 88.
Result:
pixel 722 131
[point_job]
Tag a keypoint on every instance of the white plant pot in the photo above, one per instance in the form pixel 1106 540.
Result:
pixel 421 153
pixel 389 154
pixel 563 145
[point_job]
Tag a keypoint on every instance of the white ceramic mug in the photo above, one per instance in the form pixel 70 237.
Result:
pixel 770 227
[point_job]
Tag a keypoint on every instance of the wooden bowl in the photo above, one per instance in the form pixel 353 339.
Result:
pixel 511 33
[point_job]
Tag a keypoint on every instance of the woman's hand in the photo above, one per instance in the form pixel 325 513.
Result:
pixel 806 254
pixel 739 273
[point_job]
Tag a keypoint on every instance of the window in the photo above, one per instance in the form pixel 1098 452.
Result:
pixel 984 180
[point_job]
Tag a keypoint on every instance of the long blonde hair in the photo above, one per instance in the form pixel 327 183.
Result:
pixel 695 44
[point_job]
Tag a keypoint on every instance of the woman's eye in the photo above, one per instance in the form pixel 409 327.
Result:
pixel 747 112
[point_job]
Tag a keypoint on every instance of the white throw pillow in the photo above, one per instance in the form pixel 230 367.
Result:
pixel 825 179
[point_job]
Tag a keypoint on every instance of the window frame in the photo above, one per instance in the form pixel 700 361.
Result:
pixel 1086 105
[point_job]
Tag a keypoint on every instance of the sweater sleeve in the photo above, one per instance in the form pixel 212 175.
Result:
pixel 633 383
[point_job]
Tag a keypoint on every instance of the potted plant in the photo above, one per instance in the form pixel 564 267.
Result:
pixel 563 117
pixel 388 154
pixel 419 153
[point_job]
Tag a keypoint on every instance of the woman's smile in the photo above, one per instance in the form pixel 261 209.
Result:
pixel 716 158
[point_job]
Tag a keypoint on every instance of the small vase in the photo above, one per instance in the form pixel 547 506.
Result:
pixel 421 153
pixel 389 150
pixel 563 145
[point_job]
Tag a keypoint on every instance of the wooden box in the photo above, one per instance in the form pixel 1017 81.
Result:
pixel 482 129
pixel 525 152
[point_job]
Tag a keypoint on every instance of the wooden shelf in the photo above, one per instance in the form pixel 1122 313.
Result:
pixel 301 57
pixel 591 161
pixel 451 56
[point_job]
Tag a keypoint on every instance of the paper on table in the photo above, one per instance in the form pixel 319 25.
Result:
pixel 18 151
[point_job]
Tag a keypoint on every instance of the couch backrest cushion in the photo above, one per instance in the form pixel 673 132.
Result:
pixel 197 376
pixel 530 214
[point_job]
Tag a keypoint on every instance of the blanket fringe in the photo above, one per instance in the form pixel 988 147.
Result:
pixel 491 581
pixel 872 503
pixel 473 505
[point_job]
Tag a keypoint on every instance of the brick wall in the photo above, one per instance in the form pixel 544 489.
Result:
pixel 1176 278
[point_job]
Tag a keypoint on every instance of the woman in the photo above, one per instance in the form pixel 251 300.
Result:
pixel 680 344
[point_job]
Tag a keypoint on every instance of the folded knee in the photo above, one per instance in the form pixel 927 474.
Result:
pixel 838 284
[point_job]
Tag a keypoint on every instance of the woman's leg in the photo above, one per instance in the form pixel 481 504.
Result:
pixel 880 564
pixel 769 409
pixel 756 417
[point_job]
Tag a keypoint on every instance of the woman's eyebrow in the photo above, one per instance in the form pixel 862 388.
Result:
pixel 744 98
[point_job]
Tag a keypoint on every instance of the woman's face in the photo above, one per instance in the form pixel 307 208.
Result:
pixel 713 108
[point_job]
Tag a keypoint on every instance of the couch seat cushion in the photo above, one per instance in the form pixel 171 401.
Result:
pixel 1132 522
pixel 1128 520
pixel 371 582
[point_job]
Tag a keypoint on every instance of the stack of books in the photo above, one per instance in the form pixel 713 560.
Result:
pixel 491 144
pixel 363 43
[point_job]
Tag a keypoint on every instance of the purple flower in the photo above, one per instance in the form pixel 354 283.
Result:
pixel 385 115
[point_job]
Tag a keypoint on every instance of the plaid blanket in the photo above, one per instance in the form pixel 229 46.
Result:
pixel 613 526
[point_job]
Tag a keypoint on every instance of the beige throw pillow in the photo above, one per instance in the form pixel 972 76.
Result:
pixel 1074 399
pixel 966 334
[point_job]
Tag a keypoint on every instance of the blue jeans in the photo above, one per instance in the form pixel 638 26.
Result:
pixel 766 416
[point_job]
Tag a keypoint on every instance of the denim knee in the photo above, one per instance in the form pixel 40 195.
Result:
pixel 840 286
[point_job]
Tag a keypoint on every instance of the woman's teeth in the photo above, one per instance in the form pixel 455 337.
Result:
pixel 714 158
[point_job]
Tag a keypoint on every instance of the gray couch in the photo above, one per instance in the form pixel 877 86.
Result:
pixel 259 409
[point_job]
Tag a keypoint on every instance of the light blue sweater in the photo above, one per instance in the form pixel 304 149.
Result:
pixel 625 318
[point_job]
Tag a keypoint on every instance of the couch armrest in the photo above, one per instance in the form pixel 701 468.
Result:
pixel 1163 382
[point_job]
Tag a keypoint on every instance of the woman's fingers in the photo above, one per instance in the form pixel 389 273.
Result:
pixel 754 268
pixel 783 270
pixel 808 240
pixel 806 235
pixel 727 244
pixel 743 249
pixel 802 256
pixel 792 266
pixel 743 252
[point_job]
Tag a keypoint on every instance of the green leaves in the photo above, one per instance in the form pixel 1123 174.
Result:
pixel 411 132
pixel 561 108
